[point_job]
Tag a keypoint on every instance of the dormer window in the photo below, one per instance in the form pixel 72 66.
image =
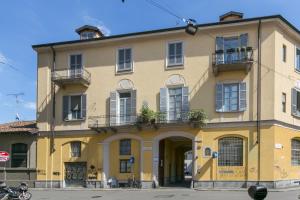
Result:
pixel 87 35
pixel 89 32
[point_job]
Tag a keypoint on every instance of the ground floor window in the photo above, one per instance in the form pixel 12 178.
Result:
pixel 19 155
pixel 230 151
pixel 295 152
pixel 125 166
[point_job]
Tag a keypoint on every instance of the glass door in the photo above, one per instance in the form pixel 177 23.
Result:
pixel 175 103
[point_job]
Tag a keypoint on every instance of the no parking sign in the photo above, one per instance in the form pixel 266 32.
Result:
pixel 4 156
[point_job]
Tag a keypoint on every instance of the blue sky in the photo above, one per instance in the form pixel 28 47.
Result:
pixel 27 22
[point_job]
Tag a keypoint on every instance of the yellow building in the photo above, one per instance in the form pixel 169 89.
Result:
pixel 244 73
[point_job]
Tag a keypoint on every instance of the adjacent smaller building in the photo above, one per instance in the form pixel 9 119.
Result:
pixel 19 140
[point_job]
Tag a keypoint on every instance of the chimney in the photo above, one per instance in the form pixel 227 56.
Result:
pixel 230 16
pixel 89 32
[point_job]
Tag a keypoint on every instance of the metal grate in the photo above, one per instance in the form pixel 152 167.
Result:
pixel 295 152
pixel 230 151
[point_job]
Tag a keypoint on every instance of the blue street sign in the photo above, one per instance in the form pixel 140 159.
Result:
pixel 215 154
pixel 131 160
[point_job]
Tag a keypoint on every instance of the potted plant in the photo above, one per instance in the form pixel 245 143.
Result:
pixel 197 118
pixel 146 117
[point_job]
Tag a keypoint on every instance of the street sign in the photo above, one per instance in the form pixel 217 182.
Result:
pixel 4 156
pixel 131 160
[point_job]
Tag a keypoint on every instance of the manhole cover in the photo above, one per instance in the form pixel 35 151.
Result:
pixel 165 196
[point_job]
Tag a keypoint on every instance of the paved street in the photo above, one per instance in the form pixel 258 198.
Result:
pixel 174 194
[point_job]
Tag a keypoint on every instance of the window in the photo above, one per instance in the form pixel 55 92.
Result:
pixel 125 147
pixel 284 53
pixel 87 35
pixel 175 54
pixel 19 155
pixel 207 152
pixel 230 151
pixel 175 103
pixel 75 149
pixel 74 107
pixel 75 65
pixel 297 59
pixel 125 166
pixel 124 60
pixel 125 107
pixel 296 102
pixel 295 152
pixel 231 49
pixel 231 97
pixel 283 100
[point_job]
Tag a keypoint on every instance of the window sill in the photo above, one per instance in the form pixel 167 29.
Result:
pixel 231 111
pixel 124 72
pixel 74 120
pixel 175 66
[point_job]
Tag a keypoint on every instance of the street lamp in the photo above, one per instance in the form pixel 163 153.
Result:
pixel 191 27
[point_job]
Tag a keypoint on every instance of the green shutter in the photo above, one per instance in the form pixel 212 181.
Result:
pixel 113 108
pixel 242 96
pixel 163 103
pixel 83 106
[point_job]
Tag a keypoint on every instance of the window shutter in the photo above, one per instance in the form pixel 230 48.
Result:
pixel 294 101
pixel 243 97
pixel 185 102
pixel 133 106
pixel 219 43
pixel 219 97
pixel 163 105
pixel 83 106
pixel 113 107
pixel 65 107
pixel 128 58
pixel 244 40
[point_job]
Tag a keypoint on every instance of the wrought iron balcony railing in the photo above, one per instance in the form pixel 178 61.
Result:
pixel 127 120
pixel 71 76
pixel 232 59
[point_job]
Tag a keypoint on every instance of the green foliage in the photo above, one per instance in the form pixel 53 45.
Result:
pixel 146 116
pixel 197 117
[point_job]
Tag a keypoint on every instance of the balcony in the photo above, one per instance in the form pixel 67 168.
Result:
pixel 233 59
pixel 107 122
pixel 71 77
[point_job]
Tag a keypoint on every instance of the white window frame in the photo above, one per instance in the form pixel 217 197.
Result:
pixel 69 62
pixel 85 33
pixel 118 120
pixel 175 65
pixel 117 61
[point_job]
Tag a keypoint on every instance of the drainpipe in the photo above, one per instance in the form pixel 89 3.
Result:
pixel 52 125
pixel 258 98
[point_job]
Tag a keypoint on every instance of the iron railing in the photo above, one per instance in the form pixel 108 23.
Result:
pixel 125 120
pixel 71 74
pixel 233 56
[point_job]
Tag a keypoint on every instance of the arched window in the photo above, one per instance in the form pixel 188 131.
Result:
pixel 19 155
pixel 295 152
pixel 230 151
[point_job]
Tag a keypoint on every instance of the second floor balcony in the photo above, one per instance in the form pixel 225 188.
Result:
pixel 104 122
pixel 232 59
pixel 64 77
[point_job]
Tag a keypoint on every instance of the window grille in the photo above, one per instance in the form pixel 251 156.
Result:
pixel 75 149
pixel 230 151
pixel 295 152
pixel 125 147
pixel 19 155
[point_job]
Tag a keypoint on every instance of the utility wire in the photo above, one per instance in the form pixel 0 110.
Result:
pixel 15 69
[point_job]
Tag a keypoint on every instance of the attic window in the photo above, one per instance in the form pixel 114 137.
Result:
pixel 87 35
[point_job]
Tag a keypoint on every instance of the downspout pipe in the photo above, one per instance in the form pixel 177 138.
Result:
pixel 258 122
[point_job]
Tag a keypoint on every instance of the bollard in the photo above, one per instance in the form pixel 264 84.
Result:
pixel 257 192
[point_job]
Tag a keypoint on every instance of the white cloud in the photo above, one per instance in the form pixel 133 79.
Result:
pixel 98 23
pixel 30 105
pixel 3 59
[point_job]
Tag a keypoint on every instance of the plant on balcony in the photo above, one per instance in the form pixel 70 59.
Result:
pixel 197 118
pixel 146 117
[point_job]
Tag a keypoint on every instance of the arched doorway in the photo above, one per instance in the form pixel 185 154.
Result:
pixel 169 150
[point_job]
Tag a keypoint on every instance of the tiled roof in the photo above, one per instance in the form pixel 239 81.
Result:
pixel 19 126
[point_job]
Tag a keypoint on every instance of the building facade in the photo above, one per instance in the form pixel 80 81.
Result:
pixel 244 73
pixel 19 140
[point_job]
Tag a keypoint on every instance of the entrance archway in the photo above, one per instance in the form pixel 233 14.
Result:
pixel 169 160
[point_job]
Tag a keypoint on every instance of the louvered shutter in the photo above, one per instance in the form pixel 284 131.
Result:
pixel 242 97
pixel 185 102
pixel 244 40
pixel 133 106
pixel 163 103
pixel 113 107
pixel 128 59
pixel 219 46
pixel 65 107
pixel 294 102
pixel 219 97
pixel 83 106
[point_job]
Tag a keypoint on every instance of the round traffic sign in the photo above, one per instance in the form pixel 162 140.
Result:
pixel 4 156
